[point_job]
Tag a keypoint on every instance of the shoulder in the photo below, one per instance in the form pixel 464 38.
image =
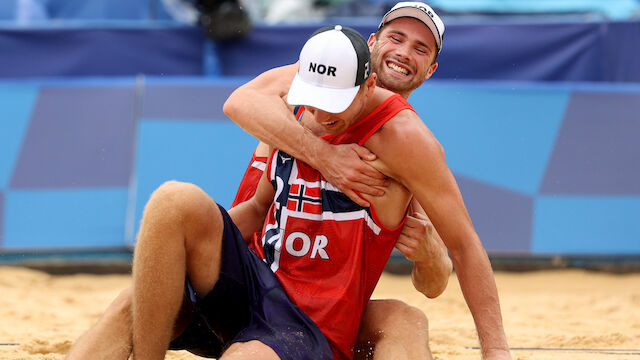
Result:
pixel 406 130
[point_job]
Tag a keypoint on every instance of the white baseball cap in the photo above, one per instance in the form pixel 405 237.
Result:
pixel 334 62
pixel 417 10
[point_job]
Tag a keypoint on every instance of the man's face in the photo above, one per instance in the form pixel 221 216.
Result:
pixel 403 55
pixel 336 123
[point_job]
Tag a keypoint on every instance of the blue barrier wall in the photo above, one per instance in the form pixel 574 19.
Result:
pixel 543 168
pixel 526 51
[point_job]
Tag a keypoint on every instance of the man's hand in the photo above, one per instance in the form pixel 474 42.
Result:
pixel 345 166
pixel 419 242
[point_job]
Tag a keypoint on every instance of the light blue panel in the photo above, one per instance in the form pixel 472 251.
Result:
pixel 210 154
pixel 617 9
pixel 587 225
pixel 74 218
pixel 16 105
pixel 502 135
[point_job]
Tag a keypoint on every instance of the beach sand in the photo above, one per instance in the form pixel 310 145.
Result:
pixel 580 311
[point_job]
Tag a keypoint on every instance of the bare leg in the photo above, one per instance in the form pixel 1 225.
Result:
pixel 249 350
pixel 110 337
pixel 180 233
pixel 393 330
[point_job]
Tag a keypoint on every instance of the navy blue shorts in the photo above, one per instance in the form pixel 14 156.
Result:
pixel 249 303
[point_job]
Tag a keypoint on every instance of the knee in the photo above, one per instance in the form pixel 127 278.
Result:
pixel 178 202
pixel 394 317
pixel 413 318
pixel 120 308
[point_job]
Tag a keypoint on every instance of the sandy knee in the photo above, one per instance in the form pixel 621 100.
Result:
pixel 176 197
pixel 120 307
pixel 181 206
pixel 389 317
pixel 189 213
pixel 249 350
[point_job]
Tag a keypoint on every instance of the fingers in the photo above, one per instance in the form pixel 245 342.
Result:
pixel 408 249
pixel 404 250
pixel 367 177
pixel 344 167
pixel 376 177
pixel 415 237
pixel 421 216
pixel 368 190
pixel 415 221
pixel 412 222
pixel 364 153
pixel 356 198
pixel 364 167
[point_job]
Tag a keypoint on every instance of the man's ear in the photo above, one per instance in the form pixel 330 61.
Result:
pixel 432 69
pixel 371 83
pixel 372 41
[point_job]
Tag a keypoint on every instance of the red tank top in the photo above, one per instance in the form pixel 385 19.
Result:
pixel 250 180
pixel 327 251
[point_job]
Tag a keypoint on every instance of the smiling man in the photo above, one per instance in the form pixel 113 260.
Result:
pixel 405 47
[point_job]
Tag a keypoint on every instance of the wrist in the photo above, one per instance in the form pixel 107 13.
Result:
pixel 313 150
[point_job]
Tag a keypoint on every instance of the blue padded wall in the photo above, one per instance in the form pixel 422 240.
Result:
pixel 544 169
pixel 16 105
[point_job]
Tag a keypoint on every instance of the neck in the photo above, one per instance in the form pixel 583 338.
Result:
pixel 404 94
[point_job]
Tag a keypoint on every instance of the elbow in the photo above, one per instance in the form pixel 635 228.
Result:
pixel 434 285
pixel 433 294
pixel 432 291
pixel 439 287
pixel 232 106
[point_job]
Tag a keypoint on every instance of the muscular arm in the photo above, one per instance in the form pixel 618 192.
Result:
pixel 424 172
pixel 258 107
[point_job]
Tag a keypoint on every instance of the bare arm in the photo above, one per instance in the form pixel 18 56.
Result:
pixel 419 242
pixel 425 173
pixel 249 215
pixel 259 108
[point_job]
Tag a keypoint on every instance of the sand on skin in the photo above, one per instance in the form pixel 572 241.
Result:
pixel 576 309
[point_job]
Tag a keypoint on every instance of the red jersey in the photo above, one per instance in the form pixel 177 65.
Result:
pixel 327 251
pixel 250 179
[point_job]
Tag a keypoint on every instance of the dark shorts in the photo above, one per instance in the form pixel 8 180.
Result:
pixel 248 303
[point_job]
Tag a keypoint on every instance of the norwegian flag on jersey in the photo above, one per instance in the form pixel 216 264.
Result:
pixel 300 188
pixel 305 199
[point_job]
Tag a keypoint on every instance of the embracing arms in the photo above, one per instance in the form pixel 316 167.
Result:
pixel 258 107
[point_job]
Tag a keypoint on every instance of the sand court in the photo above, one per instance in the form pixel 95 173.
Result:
pixel 559 314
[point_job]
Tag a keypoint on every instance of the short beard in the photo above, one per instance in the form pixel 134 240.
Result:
pixel 395 85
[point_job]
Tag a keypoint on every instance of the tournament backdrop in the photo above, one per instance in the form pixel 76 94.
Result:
pixel 544 169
